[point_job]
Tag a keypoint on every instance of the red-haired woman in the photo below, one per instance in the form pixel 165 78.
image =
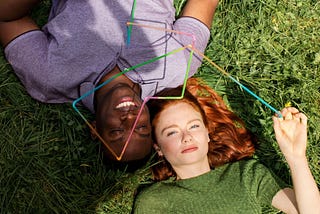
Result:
pixel 205 162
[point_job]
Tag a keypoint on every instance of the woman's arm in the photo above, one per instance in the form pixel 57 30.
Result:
pixel 202 10
pixel 291 135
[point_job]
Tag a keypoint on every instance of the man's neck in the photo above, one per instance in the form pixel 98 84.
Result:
pixel 120 79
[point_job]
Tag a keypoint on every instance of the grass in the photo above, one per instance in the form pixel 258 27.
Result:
pixel 49 164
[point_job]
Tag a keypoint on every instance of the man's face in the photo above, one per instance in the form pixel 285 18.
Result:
pixel 116 115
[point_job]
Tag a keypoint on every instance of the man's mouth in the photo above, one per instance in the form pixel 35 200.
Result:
pixel 125 104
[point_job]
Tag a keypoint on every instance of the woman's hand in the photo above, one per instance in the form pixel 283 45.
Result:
pixel 291 133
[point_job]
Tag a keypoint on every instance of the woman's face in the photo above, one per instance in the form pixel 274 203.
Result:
pixel 181 135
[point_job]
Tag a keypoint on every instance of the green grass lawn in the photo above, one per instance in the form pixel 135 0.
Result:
pixel 49 164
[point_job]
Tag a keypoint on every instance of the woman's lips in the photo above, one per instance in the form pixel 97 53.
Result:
pixel 189 149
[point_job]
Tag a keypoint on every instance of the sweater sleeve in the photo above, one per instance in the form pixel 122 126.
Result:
pixel 148 201
pixel 262 184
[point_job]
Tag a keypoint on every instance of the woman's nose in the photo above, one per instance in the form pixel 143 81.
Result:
pixel 186 138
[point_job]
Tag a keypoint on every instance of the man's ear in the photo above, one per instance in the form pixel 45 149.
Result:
pixel 158 150
pixel 93 130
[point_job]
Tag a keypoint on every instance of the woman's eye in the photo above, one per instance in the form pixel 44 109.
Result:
pixel 171 133
pixel 194 126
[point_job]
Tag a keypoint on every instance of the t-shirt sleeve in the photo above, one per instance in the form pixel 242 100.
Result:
pixel 193 32
pixel 261 182
pixel 27 55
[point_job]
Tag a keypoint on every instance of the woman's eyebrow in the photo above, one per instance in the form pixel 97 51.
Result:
pixel 191 121
pixel 168 127
pixel 174 125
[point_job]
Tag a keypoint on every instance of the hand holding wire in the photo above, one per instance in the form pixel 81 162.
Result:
pixel 291 133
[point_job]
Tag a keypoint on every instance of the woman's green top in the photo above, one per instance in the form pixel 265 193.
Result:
pixel 242 187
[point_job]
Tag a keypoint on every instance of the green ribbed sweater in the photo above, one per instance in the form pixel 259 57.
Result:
pixel 241 187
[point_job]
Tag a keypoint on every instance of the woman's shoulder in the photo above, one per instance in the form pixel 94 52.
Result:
pixel 243 168
pixel 152 197
pixel 244 164
pixel 250 173
pixel 155 187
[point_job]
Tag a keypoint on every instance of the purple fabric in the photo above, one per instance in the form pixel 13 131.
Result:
pixel 84 39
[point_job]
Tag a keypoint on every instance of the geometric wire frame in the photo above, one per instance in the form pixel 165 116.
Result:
pixel 193 50
pixel 119 156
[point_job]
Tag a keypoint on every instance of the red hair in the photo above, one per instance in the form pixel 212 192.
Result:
pixel 229 139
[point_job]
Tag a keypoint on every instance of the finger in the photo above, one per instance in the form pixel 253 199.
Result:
pixel 289 113
pixel 284 112
pixel 303 119
pixel 293 110
pixel 288 116
pixel 276 124
pixel 297 116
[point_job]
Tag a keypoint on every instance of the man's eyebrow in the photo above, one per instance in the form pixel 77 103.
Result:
pixel 118 140
pixel 121 139
pixel 145 135
pixel 142 134
pixel 174 125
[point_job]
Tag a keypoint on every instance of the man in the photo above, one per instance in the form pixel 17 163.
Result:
pixel 85 43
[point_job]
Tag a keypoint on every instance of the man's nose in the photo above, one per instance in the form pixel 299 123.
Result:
pixel 130 115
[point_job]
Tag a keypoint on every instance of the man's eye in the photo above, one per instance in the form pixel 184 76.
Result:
pixel 141 128
pixel 115 132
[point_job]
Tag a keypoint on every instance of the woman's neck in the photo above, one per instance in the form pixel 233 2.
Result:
pixel 191 170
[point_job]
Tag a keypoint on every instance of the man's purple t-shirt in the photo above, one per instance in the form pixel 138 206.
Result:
pixel 85 39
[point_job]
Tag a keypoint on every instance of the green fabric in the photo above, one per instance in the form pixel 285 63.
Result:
pixel 241 187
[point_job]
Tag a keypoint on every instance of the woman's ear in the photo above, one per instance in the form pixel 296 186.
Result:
pixel 158 150
pixel 208 139
pixel 93 130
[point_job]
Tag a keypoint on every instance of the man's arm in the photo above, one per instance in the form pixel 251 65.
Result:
pixel 14 20
pixel 202 10
pixel 15 9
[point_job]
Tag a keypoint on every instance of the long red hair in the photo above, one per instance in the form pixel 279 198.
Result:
pixel 229 139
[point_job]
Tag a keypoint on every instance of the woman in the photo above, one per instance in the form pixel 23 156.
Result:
pixel 205 168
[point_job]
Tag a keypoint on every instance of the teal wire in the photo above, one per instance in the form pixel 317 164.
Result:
pixel 129 28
